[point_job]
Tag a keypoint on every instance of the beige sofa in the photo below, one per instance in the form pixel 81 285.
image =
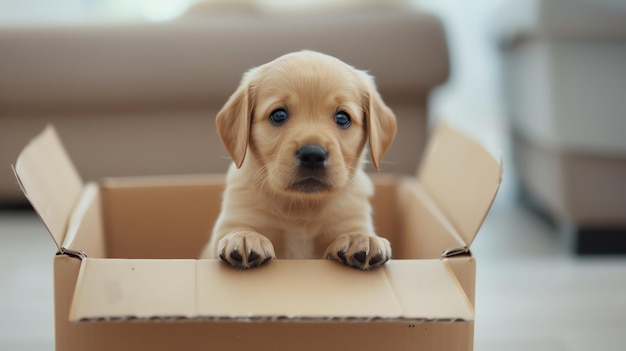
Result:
pixel 141 99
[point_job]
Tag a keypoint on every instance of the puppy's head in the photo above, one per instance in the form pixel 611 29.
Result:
pixel 305 118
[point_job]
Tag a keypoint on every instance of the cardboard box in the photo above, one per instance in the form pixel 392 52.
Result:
pixel 126 277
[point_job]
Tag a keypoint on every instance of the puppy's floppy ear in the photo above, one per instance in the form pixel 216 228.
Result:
pixel 379 119
pixel 233 120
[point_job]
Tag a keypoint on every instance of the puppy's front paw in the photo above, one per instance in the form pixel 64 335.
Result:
pixel 359 251
pixel 245 249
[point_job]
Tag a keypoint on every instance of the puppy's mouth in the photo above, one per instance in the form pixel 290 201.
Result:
pixel 310 185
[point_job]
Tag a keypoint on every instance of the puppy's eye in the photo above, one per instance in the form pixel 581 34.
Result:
pixel 343 120
pixel 278 117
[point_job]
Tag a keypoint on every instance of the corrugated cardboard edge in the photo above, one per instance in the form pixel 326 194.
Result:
pixel 456 164
pixel 49 181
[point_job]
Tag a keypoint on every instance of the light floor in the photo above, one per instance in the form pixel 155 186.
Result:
pixel 531 294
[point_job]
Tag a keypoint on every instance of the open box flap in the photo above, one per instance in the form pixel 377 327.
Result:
pixel 49 181
pixel 461 177
pixel 311 290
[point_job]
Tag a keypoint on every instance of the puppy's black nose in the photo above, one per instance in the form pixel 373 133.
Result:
pixel 312 157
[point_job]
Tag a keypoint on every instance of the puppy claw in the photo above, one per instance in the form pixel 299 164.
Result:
pixel 244 250
pixel 235 255
pixel 253 256
pixel 359 251
pixel 342 255
pixel 376 259
pixel 361 256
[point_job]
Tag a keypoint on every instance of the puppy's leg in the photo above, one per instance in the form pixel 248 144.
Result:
pixel 359 251
pixel 245 249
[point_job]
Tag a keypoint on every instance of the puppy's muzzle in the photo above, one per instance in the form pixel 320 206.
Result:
pixel 311 175
pixel 312 157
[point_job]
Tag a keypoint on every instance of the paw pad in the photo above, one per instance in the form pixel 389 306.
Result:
pixel 245 250
pixel 360 251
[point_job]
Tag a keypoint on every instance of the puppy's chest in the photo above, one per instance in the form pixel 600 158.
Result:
pixel 299 241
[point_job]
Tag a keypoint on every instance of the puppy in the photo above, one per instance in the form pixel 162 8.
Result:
pixel 297 129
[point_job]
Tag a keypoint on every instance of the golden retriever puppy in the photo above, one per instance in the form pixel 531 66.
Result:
pixel 296 129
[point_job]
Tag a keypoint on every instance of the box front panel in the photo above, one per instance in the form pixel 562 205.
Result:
pixel 277 336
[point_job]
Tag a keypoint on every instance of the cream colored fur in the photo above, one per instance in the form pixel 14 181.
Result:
pixel 264 215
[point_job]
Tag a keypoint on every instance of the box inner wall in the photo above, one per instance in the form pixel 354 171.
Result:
pixel 173 217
